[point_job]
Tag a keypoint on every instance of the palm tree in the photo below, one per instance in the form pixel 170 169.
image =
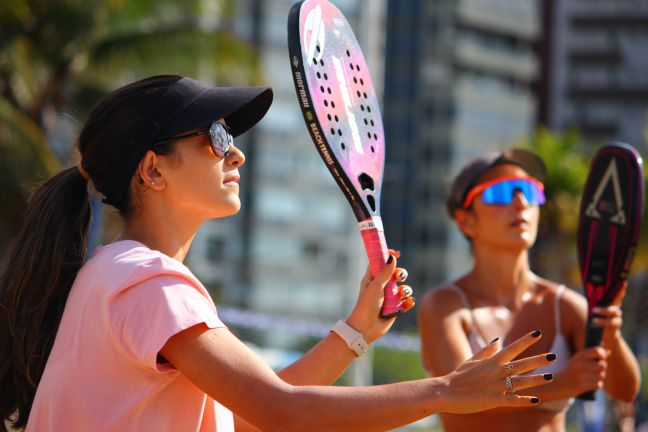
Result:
pixel 59 56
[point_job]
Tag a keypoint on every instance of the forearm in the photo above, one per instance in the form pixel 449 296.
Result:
pixel 321 365
pixel 240 425
pixel 225 369
pixel 354 408
pixel 623 377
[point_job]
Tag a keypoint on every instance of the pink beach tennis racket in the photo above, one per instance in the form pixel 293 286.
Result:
pixel 342 114
pixel 608 231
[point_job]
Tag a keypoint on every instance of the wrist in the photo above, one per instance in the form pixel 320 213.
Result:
pixel 612 339
pixel 359 325
pixel 439 394
pixel 353 339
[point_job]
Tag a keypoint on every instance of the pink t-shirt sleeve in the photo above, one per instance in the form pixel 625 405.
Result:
pixel 144 316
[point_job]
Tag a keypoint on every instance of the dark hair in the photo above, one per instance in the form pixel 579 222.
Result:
pixel 50 247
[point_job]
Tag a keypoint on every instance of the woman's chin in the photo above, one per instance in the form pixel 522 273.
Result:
pixel 233 207
pixel 224 209
pixel 519 244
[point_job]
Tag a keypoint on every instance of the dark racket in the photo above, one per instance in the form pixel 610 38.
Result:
pixel 341 111
pixel 609 221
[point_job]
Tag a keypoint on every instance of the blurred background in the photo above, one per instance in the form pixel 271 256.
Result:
pixel 456 78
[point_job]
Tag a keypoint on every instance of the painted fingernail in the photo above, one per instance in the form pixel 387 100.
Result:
pixel 407 291
pixel 408 303
pixel 548 376
pixel 535 400
pixel 551 356
pixel 390 259
pixel 536 333
pixel 402 275
pixel 395 253
pixel 494 340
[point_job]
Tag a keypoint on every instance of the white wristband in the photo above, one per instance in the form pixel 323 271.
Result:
pixel 353 338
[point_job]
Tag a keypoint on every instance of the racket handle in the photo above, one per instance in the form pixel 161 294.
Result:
pixel 593 337
pixel 373 237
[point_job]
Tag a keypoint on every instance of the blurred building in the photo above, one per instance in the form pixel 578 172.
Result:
pixel 459 81
pixel 595 74
pixel 295 248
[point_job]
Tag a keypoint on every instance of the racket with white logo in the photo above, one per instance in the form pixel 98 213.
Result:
pixel 609 221
pixel 339 105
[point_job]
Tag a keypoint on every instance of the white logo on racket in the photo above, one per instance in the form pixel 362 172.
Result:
pixel 344 92
pixel 314 25
pixel 611 175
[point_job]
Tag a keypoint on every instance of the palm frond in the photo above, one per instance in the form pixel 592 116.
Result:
pixel 27 150
pixel 183 49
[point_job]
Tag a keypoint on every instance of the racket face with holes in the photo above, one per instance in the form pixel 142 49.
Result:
pixel 609 221
pixel 338 101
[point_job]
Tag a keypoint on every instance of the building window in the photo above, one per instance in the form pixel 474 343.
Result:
pixel 215 249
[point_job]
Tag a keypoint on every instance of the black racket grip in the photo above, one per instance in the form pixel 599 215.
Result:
pixel 593 337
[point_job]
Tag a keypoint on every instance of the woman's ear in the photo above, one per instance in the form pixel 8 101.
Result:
pixel 148 172
pixel 466 222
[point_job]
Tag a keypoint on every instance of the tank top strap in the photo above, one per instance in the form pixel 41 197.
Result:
pixel 461 295
pixel 475 339
pixel 559 292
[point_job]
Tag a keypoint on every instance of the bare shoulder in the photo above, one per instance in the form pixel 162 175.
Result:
pixel 440 301
pixel 573 305
pixel 574 300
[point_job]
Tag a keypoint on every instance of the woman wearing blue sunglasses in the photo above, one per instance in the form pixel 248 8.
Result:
pixel 495 203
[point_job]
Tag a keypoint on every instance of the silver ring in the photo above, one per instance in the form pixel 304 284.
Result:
pixel 509 385
pixel 508 367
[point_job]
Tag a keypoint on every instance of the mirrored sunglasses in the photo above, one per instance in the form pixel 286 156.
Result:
pixel 502 190
pixel 219 135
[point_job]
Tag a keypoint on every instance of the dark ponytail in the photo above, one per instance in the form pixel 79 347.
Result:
pixel 45 257
pixel 41 265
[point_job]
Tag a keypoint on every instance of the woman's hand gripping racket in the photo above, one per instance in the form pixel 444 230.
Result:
pixel 608 232
pixel 341 111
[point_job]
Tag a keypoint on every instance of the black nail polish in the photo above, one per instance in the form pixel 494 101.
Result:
pixel 551 357
pixel 536 333
pixel 494 340
pixel 390 259
pixel 548 376
pixel 535 400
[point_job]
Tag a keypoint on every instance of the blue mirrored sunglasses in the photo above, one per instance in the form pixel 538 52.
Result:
pixel 502 191
pixel 219 135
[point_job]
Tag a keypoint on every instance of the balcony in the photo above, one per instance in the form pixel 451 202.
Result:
pixel 512 17
pixel 471 54
pixel 581 56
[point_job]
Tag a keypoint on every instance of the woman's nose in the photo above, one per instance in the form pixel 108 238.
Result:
pixel 519 199
pixel 235 156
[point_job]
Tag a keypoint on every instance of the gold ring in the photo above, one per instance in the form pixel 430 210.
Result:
pixel 508 367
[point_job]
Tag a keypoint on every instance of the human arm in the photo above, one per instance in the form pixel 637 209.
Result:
pixel 327 360
pixel 330 357
pixel 219 364
pixel 623 377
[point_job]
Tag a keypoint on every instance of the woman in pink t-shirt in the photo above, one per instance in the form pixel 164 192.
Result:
pixel 131 340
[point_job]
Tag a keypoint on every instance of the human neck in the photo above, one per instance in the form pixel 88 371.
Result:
pixel 504 277
pixel 163 231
